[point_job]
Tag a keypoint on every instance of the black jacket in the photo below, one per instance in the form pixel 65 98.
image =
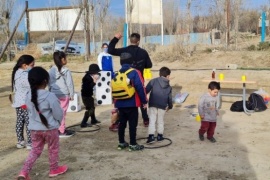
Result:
pixel 141 57
pixel 87 85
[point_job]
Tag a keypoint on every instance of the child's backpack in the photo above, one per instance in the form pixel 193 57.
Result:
pixel 256 102
pixel 121 87
pixel 237 106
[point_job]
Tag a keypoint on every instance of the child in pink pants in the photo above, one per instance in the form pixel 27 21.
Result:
pixel 45 116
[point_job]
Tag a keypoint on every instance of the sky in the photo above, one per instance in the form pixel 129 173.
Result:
pixel 117 7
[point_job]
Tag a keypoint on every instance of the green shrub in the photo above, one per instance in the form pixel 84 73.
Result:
pixel 4 58
pixel 208 50
pixel 251 48
pixel 263 46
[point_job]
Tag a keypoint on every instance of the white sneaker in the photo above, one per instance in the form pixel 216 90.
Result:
pixel 21 145
pixel 28 146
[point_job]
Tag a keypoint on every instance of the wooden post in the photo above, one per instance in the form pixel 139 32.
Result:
pixel 73 29
pixel 87 31
pixel 27 22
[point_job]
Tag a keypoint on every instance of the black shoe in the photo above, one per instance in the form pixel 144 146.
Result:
pixel 86 125
pixel 122 146
pixel 151 139
pixel 212 139
pixel 201 137
pixel 67 133
pixel 160 137
pixel 95 122
pixel 136 147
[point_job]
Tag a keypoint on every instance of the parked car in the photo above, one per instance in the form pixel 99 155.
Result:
pixel 73 47
pixel 46 50
pixel 20 45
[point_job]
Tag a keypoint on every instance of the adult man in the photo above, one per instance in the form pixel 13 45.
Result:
pixel 141 59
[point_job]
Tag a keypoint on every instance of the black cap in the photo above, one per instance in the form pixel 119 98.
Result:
pixel 126 58
pixel 93 69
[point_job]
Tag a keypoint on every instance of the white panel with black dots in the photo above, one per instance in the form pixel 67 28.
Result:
pixel 103 88
pixel 75 105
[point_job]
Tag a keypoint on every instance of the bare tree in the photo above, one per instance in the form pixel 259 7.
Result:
pixel 171 16
pixel 51 20
pixel 86 4
pixel 93 22
pixel 236 5
pixel 6 11
pixel 103 6
pixel 130 7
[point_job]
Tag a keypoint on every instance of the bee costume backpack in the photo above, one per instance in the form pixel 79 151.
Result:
pixel 121 87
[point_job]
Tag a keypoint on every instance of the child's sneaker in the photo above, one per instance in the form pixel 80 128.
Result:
pixel 86 125
pixel 136 147
pixel 201 137
pixel 58 171
pixel 95 121
pixel 23 176
pixel 151 139
pixel 122 146
pixel 29 146
pixel 114 127
pixel 67 133
pixel 160 137
pixel 20 145
pixel 212 139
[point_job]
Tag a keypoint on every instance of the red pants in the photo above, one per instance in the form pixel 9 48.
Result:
pixel 208 127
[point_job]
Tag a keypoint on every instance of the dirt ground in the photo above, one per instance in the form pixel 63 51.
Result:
pixel 240 153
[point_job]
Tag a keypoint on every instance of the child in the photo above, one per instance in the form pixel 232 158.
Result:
pixel 88 82
pixel 140 56
pixel 208 111
pixel 20 86
pixel 61 84
pixel 105 61
pixel 45 115
pixel 160 101
pixel 114 120
pixel 128 108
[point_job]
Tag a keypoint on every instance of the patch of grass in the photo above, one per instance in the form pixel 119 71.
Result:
pixel 208 50
pixel 255 68
pixel 46 58
pixel 251 48
pixel 263 46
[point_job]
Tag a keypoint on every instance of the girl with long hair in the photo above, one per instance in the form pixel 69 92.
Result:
pixel 45 115
pixel 20 87
pixel 61 84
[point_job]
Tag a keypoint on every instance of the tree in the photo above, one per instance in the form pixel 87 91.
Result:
pixel 170 17
pixel 130 7
pixel 103 6
pixel 236 5
pixel 6 11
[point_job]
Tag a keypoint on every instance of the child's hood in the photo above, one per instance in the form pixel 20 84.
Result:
pixel 58 74
pixel 41 94
pixel 164 83
pixel 19 73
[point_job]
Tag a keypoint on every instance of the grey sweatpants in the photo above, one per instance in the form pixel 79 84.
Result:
pixel 156 115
